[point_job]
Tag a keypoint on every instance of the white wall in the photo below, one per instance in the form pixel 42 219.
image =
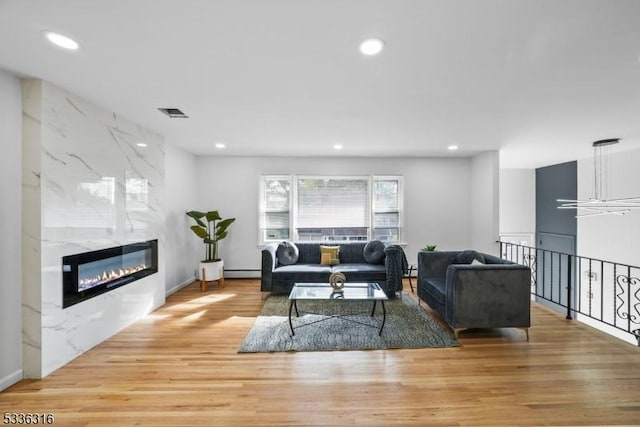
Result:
pixel 436 198
pixel 10 226
pixel 182 190
pixel 485 202
pixel 518 202
pixel 610 237
pixel 82 174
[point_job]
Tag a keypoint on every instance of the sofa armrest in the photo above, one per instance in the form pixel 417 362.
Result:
pixel 435 263
pixel 396 265
pixel 269 261
pixel 488 296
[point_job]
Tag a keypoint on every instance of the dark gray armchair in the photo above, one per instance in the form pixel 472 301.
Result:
pixel 494 294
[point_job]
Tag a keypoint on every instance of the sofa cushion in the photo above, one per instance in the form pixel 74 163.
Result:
pixel 303 273
pixel 329 255
pixel 465 257
pixel 362 272
pixel 287 253
pixel 351 253
pixel 373 252
pixel 437 288
pixel 309 253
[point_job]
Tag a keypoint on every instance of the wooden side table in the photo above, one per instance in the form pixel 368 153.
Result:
pixel 203 281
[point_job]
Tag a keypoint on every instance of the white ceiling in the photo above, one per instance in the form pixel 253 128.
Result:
pixel 537 79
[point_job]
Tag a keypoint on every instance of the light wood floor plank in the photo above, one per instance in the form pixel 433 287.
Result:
pixel 179 366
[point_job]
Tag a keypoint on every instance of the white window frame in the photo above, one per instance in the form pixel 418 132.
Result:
pixel 293 202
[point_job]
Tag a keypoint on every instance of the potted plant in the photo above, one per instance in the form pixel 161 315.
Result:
pixel 211 228
pixel 430 248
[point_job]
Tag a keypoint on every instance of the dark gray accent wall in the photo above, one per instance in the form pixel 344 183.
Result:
pixel 555 231
pixel 553 183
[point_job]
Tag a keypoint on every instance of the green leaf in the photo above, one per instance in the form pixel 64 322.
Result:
pixel 196 217
pixel 220 236
pixel 200 231
pixel 224 224
pixel 213 216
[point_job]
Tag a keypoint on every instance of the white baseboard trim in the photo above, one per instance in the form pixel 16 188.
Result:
pixel 11 379
pixel 179 286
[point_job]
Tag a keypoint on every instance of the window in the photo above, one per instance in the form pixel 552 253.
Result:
pixel 330 208
pixel 275 208
pixel 386 209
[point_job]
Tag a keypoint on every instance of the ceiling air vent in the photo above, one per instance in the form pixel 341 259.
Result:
pixel 174 113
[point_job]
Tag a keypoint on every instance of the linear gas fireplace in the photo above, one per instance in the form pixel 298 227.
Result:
pixel 93 273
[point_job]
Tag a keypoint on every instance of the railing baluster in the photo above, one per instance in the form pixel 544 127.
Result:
pixel 578 280
pixel 544 276
pixel 551 273
pixel 629 298
pixel 590 295
pixel 602 289
pixel 615 282
pixel 568 287
pixel 559 279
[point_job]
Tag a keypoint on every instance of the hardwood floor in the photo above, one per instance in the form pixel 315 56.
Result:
pixel 180 366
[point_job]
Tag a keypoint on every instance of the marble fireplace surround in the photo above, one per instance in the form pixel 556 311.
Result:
pixel 87 185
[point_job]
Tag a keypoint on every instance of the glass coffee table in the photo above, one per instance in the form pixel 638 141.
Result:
pixel 324 292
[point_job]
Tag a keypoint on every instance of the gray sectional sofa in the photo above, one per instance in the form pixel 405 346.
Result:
pixel 386 266
pixel 488 293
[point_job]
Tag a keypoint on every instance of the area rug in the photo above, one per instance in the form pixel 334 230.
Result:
pixel 407 326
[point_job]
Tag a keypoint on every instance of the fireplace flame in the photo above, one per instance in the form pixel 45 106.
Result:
pixel 110 275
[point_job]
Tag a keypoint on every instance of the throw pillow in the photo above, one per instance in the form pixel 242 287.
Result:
pixel 476 262
pixel 287 253
pixel 373 252
pixel 466 257
pixel 329 255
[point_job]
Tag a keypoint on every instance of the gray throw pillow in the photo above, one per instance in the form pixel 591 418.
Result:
pixel 466 257
pixel 373 252
pixel 287 253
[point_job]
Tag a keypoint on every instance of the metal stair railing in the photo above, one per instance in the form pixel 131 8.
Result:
pixel 606 292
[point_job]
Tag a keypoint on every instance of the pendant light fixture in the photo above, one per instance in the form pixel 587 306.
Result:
pixel 601 203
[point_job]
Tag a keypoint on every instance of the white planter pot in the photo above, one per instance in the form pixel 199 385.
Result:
pixel 212 270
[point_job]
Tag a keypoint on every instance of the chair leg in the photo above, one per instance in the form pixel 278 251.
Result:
pixel 456 331
pixel 526 330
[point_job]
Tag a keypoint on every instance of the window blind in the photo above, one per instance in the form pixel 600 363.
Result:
pixel 332 202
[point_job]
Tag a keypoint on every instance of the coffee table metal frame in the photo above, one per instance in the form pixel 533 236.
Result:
pixel 323 292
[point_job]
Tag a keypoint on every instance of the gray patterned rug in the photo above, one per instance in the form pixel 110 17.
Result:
pixel 407 326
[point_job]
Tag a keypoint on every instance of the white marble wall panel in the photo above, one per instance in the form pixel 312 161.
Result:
pixel 99 189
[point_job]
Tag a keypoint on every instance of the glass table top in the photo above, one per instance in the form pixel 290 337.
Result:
pixel 350 291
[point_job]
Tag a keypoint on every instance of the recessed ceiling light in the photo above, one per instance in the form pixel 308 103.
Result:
pixel 141 144
pixel 452 147
pixel 61 41
pixel 371 47
pixel 220 145
pixel 337 147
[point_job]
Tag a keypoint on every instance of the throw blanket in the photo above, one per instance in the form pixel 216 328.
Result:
pixel 394 278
